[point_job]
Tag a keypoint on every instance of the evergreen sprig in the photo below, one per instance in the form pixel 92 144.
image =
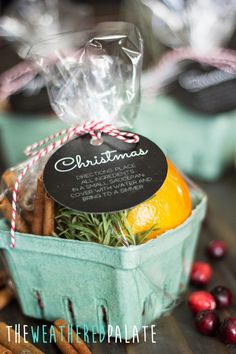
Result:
pixel 108 229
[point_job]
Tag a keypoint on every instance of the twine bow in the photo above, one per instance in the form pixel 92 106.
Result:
pixel 42 148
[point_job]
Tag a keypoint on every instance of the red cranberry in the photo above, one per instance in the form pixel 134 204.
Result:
pixel 216 249
pixel 207 322
pixel 201 300
pixel 201 274
pixel 228 331
pixel 223 296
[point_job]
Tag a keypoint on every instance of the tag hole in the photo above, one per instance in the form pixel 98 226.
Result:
pixel 96 142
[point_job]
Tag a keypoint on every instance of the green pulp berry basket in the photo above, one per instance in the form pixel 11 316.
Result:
pixel 96 285
pixel 200 145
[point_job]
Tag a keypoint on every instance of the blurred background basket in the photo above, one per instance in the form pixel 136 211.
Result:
pixel 19 131
pixel 200 145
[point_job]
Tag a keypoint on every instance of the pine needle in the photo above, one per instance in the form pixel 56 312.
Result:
pixel 108 229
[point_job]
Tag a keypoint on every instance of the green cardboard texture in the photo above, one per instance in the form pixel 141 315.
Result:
pixel 202 146
pixel 123 287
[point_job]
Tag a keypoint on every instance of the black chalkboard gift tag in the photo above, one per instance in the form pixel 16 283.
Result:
pixel 205 89
pixel 104 178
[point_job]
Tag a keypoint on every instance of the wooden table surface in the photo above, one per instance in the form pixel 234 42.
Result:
pixel 176 333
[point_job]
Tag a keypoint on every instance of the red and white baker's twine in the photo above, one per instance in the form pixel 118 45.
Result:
pixel 94 128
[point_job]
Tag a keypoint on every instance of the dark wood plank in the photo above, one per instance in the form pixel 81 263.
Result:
pixel 198 343
pixel 169 340
pixel 221 276
pixel 222 197
pixel 109 348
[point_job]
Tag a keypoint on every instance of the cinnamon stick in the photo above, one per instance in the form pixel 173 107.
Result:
pixel 28 216
pixel 37 227
pixel 15 347
pixel 26 198
pixel 77 343
pixel 4 350
pixel 49 215
pixel 6 210
pixel 9 179
pixel 62 343
pixel 6 296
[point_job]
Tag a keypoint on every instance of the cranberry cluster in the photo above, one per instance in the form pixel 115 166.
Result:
pixel 204 303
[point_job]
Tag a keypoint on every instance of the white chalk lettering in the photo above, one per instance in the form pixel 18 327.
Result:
pixel 69 163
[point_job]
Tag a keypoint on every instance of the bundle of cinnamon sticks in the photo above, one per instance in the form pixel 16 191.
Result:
pixel 10 346
pixel 21 346
pixel 40 220
pixel 76 346
pixel 8 181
